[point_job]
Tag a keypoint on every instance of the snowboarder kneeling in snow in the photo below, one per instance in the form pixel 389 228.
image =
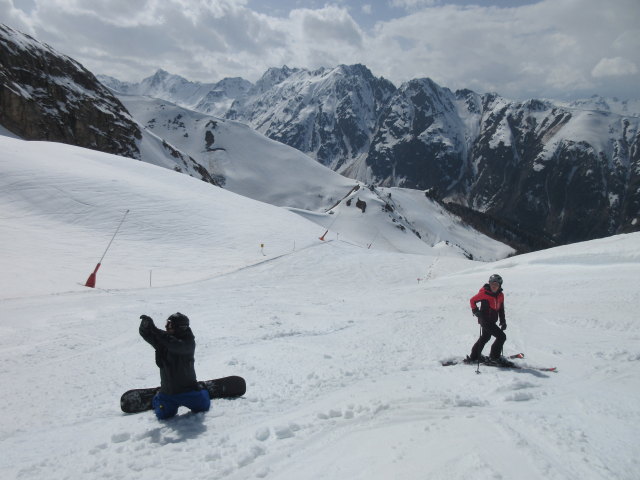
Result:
pixel 491 309
pixel 175 349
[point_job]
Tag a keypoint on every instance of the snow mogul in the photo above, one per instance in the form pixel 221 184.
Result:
pixel 175 348
pixel 491 300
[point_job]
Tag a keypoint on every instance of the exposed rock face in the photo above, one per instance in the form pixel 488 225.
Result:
pixel 563 172
pixel 419 139
pixel 47 96
pixel 558 172
pixel 329 114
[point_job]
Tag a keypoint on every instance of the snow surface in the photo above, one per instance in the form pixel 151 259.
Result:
pixel 260 168
pixel 252 164
pixel 340 344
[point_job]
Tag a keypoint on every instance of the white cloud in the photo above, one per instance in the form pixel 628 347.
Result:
pixel 412 4
pixel 15 17
pixel 329 25
pixel 614 67
pixel 628 40
pixel 546 49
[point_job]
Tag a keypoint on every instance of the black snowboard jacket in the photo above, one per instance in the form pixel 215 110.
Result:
pixel 174 357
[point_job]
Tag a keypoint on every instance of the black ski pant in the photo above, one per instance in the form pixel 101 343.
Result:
pixel 489 330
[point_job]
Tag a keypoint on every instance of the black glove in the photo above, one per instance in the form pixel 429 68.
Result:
pixel 146 320
pixel 476 313
pixel 503 325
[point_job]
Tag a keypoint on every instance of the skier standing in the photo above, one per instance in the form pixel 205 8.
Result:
pixel 491 309
pixel 175 349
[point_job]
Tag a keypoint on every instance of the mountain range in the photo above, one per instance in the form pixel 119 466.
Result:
pixel 533 174
pixel 236 157
pixel 558 172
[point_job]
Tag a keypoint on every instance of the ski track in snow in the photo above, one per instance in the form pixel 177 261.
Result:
pixel 340 347
pixel 319 383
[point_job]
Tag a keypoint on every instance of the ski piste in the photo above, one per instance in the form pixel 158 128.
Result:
pixel 506 365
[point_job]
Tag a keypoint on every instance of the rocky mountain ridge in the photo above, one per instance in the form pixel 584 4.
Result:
pixel 47 96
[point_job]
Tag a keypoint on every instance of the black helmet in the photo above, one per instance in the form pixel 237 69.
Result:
pixel 495 278
pixel 178 320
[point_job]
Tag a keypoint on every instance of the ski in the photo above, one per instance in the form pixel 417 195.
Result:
pixel 484 359
pixel 506 364
pixel 542 369
pixel 513 366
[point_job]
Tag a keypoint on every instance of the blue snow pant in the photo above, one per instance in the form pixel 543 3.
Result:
pixel 166 406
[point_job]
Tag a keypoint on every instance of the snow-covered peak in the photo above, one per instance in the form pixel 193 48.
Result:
pixel 211 98
pixel 114 84
pixel 607 105
pixel 272 77
pixel 328 113
pixel 17 42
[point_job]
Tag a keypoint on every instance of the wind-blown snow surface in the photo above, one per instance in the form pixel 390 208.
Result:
pixel 340 345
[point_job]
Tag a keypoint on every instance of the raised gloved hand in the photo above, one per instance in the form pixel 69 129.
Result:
pixel 503 325
pixel 146 320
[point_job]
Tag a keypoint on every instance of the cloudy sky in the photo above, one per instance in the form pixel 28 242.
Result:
pixel 521 49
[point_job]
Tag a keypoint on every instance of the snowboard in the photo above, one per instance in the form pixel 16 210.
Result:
pixel 139 399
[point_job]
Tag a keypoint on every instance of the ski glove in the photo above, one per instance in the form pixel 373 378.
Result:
pixel 503 325
pixel 146 320
pixel 476 312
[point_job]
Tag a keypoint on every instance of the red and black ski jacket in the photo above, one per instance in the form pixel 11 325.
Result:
pixel 491 305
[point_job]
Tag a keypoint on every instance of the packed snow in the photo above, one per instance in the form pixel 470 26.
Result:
pixel 340 341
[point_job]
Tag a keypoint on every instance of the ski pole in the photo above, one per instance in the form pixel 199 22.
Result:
pixel 478 369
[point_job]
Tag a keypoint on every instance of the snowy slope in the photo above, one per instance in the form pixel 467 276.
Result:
pixel 251 164
pixel 340 345
pixel 629 107
pixel 67 194
pixel 256 167
pixel 404 220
